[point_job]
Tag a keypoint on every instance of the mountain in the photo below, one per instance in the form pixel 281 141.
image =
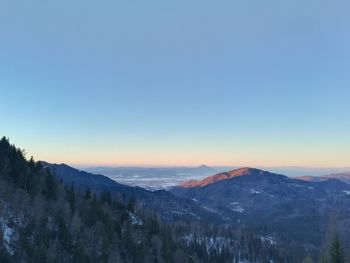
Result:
pixel 309 178
pixel 257 189
pixel 168 206
pixel 224 176
pixel 244 190
pixel 83 180
pixel 345 177
pixel 273 204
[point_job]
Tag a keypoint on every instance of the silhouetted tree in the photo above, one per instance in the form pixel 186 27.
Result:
pixel 87 194
pixel 51 186
pixel 336 253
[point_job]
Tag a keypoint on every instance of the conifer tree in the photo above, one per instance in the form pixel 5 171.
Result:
pixel 336 253
pixel 87 194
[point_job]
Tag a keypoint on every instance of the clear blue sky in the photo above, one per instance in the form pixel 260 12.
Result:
pixel 177 82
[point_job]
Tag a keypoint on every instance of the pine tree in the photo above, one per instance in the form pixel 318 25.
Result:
pixel 87 194
pixel 51 186
pixel 336 253
pixel 71 196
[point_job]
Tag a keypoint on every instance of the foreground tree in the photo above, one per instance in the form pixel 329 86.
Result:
pixel 336 253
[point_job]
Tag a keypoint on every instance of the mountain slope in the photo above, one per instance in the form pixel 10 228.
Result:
pixel 42 219
pixel 272 203
pixel 83 180
pixel 245 190
pixel 224 176
pixel 167 205
pixel 254 186
pixel 153 178
pixel 345 177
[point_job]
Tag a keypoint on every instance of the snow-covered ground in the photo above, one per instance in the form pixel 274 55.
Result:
pixel 236 207
pixel 210 242
pixel 9 235
pixel 269 239
pixel 135 220
pixel 253 191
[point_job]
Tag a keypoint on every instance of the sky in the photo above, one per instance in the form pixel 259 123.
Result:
pixel 243 83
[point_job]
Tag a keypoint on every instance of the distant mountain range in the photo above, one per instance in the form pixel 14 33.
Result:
pixel 344 177
pixel 155 178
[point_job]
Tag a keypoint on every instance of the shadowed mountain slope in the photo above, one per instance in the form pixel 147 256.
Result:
pixel 257 199
pixel 167 205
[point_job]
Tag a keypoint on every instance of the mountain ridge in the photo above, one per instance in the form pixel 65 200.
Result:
pixel 245 171
pixel 255 198
pixel 167 205
pixel 344 177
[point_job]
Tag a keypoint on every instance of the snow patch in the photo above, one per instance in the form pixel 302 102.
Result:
pixel 210 243
pixel 135 220
pixel 209 209
pixel 236 207
pixel 269 239
pixel 8 235
pixel 253 191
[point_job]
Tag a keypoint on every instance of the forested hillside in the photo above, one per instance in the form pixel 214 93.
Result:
pixel 44 220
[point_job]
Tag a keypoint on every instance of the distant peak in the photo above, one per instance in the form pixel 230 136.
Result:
pixel 245 171
pixel 203 166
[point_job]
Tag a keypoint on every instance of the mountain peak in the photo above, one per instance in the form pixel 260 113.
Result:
pixel 245 171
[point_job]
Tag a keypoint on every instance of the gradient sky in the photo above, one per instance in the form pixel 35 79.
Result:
pixel 177 82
